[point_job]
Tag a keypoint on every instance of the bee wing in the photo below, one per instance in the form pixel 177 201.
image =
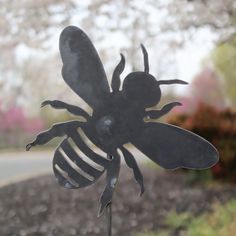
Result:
pixel 173 147
pixel 82 68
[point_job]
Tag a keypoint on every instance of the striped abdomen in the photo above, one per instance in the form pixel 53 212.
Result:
pixel 76 165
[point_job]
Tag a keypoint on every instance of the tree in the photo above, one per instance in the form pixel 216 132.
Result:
pixel 114 27
pixel 208 88
pixel 29 25
pixel 218 16
pixel 224 59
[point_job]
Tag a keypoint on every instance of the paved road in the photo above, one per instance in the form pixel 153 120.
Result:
pixel 18 166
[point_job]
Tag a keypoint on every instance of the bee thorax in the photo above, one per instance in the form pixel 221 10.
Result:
pixel 104 125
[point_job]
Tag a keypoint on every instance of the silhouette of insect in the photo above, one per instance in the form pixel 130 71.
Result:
pixel 117 119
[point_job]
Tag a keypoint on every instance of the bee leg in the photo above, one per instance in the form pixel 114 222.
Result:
pixel 70 108
pixel 155 114
pixel 172 81
pixel 57 130
pixel 112 177
pixel 131 163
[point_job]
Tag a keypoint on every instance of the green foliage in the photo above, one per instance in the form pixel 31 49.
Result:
pixel 175 220
pixel 224 59
pixel 162 233
pixel 219 222
pixel 147 234
pixel 199 175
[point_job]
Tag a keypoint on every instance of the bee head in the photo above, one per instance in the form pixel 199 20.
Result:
pixel 142 87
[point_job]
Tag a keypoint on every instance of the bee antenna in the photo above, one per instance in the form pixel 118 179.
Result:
pixel 145 58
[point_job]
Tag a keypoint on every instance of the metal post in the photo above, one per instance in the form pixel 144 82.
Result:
pixel 109 212
pixel 109 220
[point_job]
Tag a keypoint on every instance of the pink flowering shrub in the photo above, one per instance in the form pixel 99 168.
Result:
pixel 204 112
pixel 15 127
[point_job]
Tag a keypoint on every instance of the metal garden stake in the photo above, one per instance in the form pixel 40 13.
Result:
pixel 117 118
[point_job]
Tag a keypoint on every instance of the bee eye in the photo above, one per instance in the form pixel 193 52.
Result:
pixel 142 88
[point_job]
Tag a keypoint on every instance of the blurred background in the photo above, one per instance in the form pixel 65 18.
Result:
pixel 191 40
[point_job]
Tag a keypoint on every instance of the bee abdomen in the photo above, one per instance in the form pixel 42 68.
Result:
pixel 76 165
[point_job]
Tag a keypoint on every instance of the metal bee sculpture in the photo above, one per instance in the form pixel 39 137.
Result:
pixel 118 118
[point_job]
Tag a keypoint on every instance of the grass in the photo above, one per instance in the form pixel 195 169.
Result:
pixel 220 222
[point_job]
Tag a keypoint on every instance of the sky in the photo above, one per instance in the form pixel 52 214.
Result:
pixel 190 59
